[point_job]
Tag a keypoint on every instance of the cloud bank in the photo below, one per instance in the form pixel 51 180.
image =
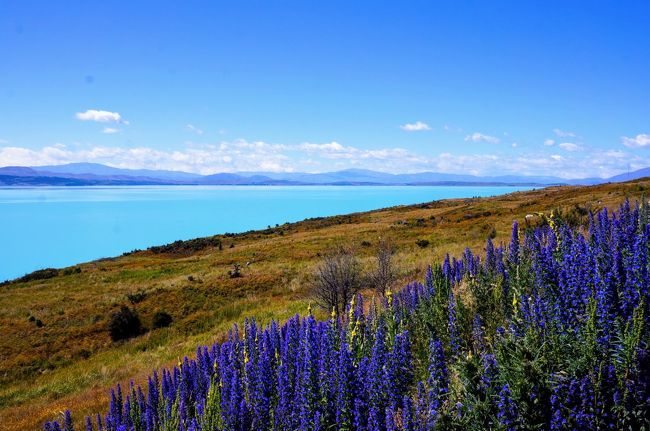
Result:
pixel 255 156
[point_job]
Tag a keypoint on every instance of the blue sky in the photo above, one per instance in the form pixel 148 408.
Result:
pixel 554 87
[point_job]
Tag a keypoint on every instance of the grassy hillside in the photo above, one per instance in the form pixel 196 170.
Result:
pixel 70 361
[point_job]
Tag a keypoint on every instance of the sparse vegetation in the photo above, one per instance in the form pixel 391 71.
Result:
pixel 384 274
pixel 337 279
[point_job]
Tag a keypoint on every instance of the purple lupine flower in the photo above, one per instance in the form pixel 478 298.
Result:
pixel 490 372
pixel 478 335
pixel 345 390
pixel 452 325
pixel 399 370
pixel 67 421
pixel 513 249
pixel 438 381
pixel 507 413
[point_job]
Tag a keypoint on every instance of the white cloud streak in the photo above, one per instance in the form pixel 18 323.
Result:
pixel 110 130
pixel 569 146
pixel 563 133
pixel 192 128
pixel 418 126
pixel 639 141
pixel 480 137
pixel 549 142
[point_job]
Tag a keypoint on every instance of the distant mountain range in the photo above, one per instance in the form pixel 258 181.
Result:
pixel 93 174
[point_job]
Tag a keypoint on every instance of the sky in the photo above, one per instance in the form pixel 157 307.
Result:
pixel 488 88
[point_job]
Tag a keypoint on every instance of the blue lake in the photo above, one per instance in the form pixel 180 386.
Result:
pixel 57 227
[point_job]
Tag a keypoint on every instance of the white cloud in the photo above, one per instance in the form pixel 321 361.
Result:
pixel 480 137
pixel 639 141
pixel 418 126
pixel 569 146
pixel 563 133
pixel 194 129
pixel 242 155
pixel 110 130
pixel 549 142
pixel 514 145
pixel 100 116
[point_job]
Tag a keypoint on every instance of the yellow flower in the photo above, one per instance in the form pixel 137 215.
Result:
pixel 333 313
pixel 389 296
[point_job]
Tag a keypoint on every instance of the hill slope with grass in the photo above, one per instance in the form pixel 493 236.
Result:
pixel 69 359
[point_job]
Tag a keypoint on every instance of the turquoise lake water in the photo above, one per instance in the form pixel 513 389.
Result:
pixel 57 227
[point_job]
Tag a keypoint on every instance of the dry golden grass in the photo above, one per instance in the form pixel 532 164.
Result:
pixel 71 362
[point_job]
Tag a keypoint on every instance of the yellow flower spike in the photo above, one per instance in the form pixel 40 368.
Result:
pixel 333 313
pixel 309 309
pixel 215 367
pixel 389 296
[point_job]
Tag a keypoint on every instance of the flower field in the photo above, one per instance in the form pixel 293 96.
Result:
pixel 547 332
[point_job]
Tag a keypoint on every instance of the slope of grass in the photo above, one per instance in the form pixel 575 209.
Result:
pixel 70 361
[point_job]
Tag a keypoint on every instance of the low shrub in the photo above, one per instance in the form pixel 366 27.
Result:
pixel 136 297
pixel 124 324
pixel 161 319
pixel 41 274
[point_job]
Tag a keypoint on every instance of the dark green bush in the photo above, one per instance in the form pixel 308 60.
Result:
pixel 188 246
pixel 422 243
pixel 124 324
pixel 41 274
pixel 136 297
pixel 161 319
pixel 236 271
pixel 70 271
